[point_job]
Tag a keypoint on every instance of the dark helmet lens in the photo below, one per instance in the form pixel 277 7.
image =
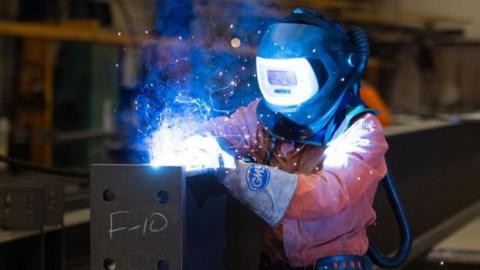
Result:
pixel 282 77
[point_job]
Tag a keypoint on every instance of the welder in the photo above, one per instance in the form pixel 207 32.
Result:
pixel 316 152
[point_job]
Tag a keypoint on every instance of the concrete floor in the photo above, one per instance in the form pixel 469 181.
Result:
pixel 462 247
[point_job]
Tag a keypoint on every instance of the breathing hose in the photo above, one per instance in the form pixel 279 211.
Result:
pixel 360 59
pixel 405 233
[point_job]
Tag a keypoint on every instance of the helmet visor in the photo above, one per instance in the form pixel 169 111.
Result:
pixel 286 82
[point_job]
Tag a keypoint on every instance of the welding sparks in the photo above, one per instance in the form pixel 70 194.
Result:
pixel 180 142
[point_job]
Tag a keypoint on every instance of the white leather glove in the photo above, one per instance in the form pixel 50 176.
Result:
pixel 265 190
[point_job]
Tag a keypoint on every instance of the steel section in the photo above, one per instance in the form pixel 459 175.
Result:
pixel 137 214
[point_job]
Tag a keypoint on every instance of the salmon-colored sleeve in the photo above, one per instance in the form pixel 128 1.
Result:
pixel 238 133
pixel 354 161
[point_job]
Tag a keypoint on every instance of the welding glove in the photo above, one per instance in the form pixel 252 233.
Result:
pixel 267 191
pixel 201 154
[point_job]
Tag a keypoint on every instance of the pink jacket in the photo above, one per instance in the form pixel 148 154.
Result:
pixel 332 205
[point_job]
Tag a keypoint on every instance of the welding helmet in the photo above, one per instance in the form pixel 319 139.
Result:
pixel 307 64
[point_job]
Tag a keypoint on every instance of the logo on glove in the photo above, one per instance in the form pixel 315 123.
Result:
pixel 257 177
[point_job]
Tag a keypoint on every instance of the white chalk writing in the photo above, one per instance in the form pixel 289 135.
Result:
pixel 155 223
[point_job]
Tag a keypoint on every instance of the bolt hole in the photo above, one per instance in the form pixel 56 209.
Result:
pixel 108 195
pixel 109 264
pixel 162 197
pixel 162 265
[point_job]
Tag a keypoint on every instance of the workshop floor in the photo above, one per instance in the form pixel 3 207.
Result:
pixel 459 251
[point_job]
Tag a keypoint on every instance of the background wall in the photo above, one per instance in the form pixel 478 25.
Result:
pixel 8 11
pixel 465 9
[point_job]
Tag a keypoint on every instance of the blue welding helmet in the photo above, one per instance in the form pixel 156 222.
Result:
pixel 306 66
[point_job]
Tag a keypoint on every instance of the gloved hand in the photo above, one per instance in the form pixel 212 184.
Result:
pixel 219 171
pixel 265 190
pixel 197 153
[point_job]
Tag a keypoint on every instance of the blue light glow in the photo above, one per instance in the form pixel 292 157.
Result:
pixel 193 77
